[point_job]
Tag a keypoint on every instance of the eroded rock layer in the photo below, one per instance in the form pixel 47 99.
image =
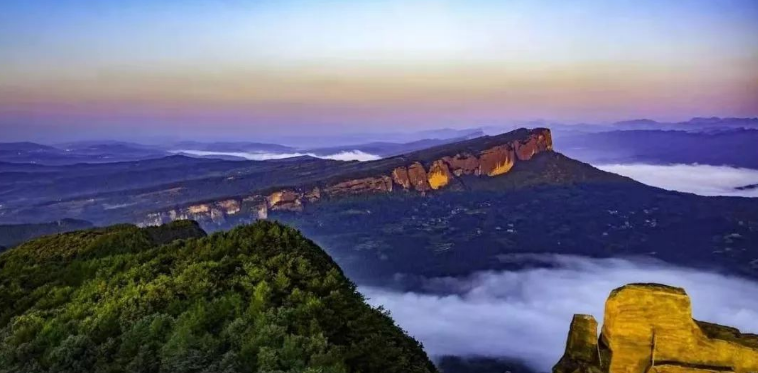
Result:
pixel 649 328
pixel 413 175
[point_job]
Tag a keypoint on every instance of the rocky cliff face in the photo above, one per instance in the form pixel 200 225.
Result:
pixel 649 328
pixel 410 175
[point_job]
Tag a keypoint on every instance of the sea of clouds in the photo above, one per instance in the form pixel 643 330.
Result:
pixel 691 178
pixel 526 314
pixel 352 155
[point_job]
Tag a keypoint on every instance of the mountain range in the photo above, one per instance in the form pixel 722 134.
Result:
pixel 451 209
pixel 459 207
pixel 72 153
pixel 642 140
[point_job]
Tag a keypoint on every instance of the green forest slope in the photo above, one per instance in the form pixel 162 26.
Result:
pixel 259 298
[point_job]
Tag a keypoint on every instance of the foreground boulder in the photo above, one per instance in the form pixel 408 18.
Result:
pixel 649 328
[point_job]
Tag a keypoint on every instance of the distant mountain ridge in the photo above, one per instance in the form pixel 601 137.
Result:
pixel 697 123
pixel 732 147
pixel 108 151
pixel 446 210
pixel 240 146
pixel 66 154
pixel 100 191
pixel 387 149
pixel 455 166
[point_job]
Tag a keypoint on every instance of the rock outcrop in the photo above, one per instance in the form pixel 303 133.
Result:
pixel 582 354
pixel 649 328
pixel 417 177
pixel 365 185
pixel 496 161
pixel 286 199
pixel 483 157
pixel 439 175
pixel 463 164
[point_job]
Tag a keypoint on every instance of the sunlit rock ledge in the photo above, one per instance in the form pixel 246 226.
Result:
pixel 649 328
pixel 411 175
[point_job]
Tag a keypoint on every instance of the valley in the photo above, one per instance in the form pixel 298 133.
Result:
pixel 425 223
pixel 393 186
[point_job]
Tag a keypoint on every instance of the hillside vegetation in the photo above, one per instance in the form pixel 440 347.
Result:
pixel 14 234
pixel 259 298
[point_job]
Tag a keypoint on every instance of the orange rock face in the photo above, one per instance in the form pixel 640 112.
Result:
pixel 496 161
pixel 525 150
pixel 418 178
pixel 439 175
pixel 538 142
pixel 400 177
pixel 442 173
pixel 285 200
pixel 199 209
pixel 229 206
pixel 463 164
pixel 358 186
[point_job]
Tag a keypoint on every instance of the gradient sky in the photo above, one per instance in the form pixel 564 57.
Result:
pixel 73 69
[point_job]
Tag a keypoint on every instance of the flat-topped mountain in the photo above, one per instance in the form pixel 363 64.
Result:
pixel 447 210
pixel 459 166
pixel 649 328
pixel 127 191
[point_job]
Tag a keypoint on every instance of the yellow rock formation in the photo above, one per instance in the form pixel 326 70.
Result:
pixel 501 167
pixel 496 161
pixel 274 198
pixel 199 209
pixel 229 206
pixel 400 177
pixel 647 323
pixel 417 177
pixel 494 157
pixel 649 328
pixel 439 175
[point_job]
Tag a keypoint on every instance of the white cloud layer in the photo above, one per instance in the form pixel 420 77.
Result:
pixel 526 314
pixel 691 178
pixel 352 155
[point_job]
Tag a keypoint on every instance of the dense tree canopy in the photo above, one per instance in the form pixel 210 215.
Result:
pixel 13 234
pixel 259 298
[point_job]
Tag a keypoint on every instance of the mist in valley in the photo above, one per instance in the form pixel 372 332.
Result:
pixel 525 314
pixel 353 155
pixel 704 180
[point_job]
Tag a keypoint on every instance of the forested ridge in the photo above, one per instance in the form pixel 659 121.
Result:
pixel 259 298
pixel 14 234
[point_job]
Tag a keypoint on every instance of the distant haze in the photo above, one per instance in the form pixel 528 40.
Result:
pixel 704 180
pixel 353 155
pixel 526 314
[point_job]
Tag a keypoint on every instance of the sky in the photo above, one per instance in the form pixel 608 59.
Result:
pixel 252 69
